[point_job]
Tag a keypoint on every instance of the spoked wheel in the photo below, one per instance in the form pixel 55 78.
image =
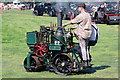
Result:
pixel 40 49
pixel 36 64
pixel 63 64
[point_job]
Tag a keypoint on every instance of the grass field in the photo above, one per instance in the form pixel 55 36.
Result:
pixel 0 46
pixel 15 24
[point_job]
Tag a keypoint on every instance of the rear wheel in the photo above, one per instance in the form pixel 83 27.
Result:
pixel 35 12
pixel 63 64
pixel 108 22
pixel 50 13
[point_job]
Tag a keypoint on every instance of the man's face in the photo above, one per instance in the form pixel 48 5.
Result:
pixel 79 9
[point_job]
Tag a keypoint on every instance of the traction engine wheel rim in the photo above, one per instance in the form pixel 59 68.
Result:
pixel 63 64
pixel 35 64
pixel 40 50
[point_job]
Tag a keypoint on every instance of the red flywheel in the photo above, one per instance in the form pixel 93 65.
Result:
pixel 39 50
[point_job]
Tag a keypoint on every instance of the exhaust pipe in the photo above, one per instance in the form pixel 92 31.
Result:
pixel 59 18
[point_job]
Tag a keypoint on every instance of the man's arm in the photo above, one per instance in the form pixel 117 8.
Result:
pixel 76 20
pixel 66 24
pixel 69 24
pixel 73 27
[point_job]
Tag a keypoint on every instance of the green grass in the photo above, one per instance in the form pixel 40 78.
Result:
pixel 15 24
pixel 0 46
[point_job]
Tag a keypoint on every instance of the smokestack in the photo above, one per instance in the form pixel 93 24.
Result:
pixel 59 18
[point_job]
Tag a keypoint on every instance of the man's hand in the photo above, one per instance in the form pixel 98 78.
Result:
pixel 64 25
pixel 73 28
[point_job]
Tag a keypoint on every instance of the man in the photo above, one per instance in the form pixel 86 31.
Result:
pixel 83 32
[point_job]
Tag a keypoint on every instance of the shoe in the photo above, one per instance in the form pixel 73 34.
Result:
pixel 88 64
pixel 84 64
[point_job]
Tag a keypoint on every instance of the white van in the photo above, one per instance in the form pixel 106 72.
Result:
pixel 16 3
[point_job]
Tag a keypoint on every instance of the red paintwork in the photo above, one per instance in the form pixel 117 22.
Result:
pixel 71 47
pixel 112 15
pixel 0 10
pixel 92 23
pixel 40 49
pixel 71 16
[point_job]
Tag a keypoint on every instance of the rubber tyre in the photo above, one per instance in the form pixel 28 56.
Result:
pixel 50 13
pixel 40 14
pixel 35 12
pixel 108 23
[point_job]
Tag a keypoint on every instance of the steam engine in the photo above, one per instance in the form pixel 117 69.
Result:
pixel 53 50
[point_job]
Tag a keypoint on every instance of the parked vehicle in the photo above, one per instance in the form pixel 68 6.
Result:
pixel 16 3
pixel 113 17
pixel 68 12
pixel 22 7
pixel 100 15
pixel 42 8
pixel 54 50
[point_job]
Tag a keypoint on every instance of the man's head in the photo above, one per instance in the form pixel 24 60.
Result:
pixel 81 7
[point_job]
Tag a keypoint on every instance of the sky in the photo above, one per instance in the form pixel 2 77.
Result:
pixel 63 0
pixel 89 0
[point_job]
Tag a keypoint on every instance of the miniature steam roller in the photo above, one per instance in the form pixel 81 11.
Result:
pixel 53 50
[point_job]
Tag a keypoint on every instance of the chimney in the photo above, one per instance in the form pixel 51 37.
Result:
pixel 59 18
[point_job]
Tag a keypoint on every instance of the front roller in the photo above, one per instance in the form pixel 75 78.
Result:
pixel 62 64
pixel 36 64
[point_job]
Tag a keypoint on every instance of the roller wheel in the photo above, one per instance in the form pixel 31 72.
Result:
pixel 36 64
pixel 63 64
